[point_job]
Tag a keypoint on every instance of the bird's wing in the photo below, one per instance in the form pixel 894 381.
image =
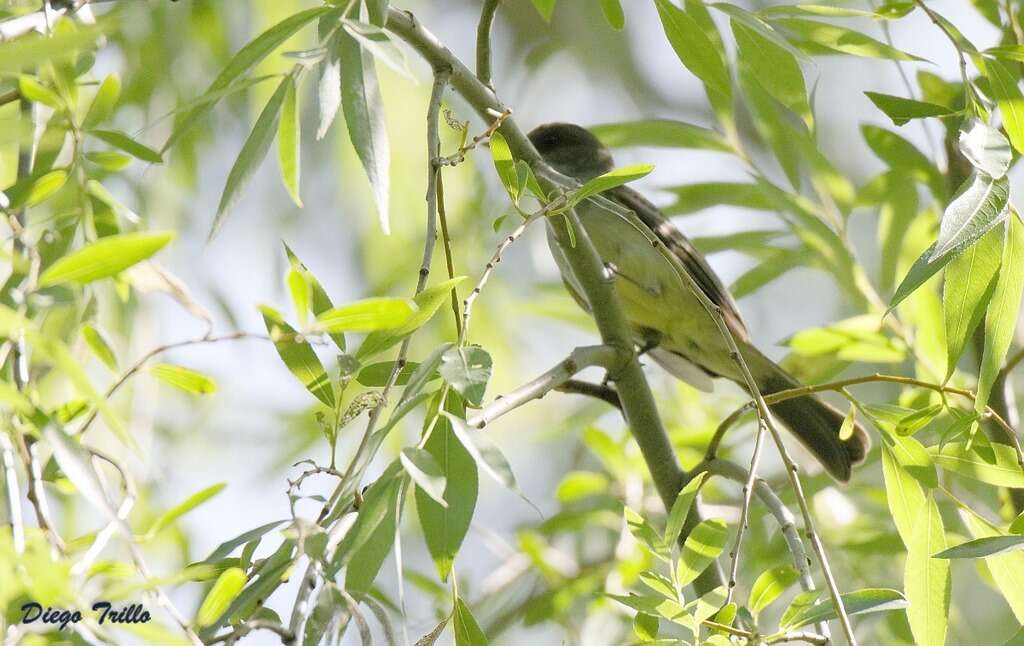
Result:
pixel 687 254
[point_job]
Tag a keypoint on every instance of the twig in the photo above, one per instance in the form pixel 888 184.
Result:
pixel 446 243
pixel 580 358
pixel 748 492
pixel 13 497
pixel 804 391
pixel 36 493
pixel 938 22
pixel 467 305
pixel 483 42
pixel 287 636
pixel 597 391
pixel 459 155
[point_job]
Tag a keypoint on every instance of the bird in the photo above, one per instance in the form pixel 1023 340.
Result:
pixel 668 320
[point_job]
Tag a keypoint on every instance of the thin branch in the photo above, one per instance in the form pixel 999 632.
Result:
pixel 748 493
pixel 483 42
pixel 13 497
pixel 446 243
pixel 459 155
pixel 804 391
pixel 580 358
pixel 597 391
pixel 287 636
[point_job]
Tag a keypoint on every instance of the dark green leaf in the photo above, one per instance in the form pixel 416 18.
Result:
pixel 467 370
pixel 693 47
pixel 612 10
pixel 902 110
pixel 856 603
pixel 467 630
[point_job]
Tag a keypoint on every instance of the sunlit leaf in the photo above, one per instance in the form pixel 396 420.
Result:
pixel 840 39
pixel 982 547
pixel 228 586
pixel 427 302
pixel 128 145
pixel 171 515
pixel 926 580
pixel 769 585
pixel 467 370
pixel 299 357
pixel 856 603
pixel 288 136
pixel 693 48
pixel 190 381
pixel 775 67
pixel 985 147
pixel 995 464
pixel 902 110
pixel 612 10
pixel 102 106
pixel 1001 317
pixel 104 258
pixel 467 630
pixel 681 509
pixel 1009 99
pixel 979 205
pixel 30 88
pixel 1007 569
pixel 705 542
pixel 367 315
pixel 970 282
pixel 99 345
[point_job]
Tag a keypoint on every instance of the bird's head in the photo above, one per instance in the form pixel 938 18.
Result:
pixel 572 150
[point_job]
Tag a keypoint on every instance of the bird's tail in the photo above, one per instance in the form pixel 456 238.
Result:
pixel 815 423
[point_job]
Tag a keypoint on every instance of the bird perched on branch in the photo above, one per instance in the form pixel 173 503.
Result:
pixel 662 307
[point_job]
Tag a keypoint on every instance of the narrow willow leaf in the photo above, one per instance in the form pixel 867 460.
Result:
pixel 849 422
pixel 228 586
pixel 856 603
pixel 774 127
pixel 364 117
pixel 379 42
pixel 299 357
pixel 815 10
pixel 467 630
pixel 609 180
pixel 985 147
pixel 681 509
pixel 691 198
pixel 190 381
pixel 902 110
pixel 288 142
pixel 467 370
pixel 17 54
pixel 1001 318
pixel 659 132
pixel 769 585
pixel 487 455
pixel 922 269
pixel 301 291
pixel 376 375
pixel 425 472
pixel 979 205
pixel 328 85
pixel 34 189
pixel 245 59
pixel 926 580
pixel 225 548
pixel 30 88
pixel 917 420
pixel 612 10
pixel 505 165
pixel 99 345
pixel 103 103
pixel 365 562
pixel 970 281
pixel 995 464
pixel 775 67
pixel 320 302
pixel 377 11
pixel 1009 99
pixel 251 156
pixel 167 518
pixel 702 546
pixel 377 506
pixel 76 464
pixel 104 258
pixel 982 547
pixel 367 315
pixel 901 155
pixel 1007 568
pixel 128 145
pixel 428 301
pixel 1017 526
pixel 914 458
pixel 108 160
pixel 693 48
pixel 444 528
pixel 840 39
pixel 545 8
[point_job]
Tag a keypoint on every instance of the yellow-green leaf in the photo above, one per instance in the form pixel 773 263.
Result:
pixel 104 258
pixel 188 380
pixel 228 586
pixel 367 315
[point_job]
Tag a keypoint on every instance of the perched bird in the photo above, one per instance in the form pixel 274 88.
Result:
pixel 665 314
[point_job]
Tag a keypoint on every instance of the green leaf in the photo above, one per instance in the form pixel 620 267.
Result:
pixel 775 68
pixel 36 49
pixel 545 8
pixel 922 269
pixel 979 205
pixel 33 189
pixel 693 47
pixel 645 627
pixel 245 59
pixel 856 603
pixel 681 509
pixel 467 630
pixel 970 282
pixel 769 585
pixel 288 138
pixel 168 517
pixel 901 155
pixel 659 132
pixel 320 302
pixel 913 457
pixel 364 118
pixel 99 345
pixel 367 315
pixel 918 419
pixel 849 422
pixel 1008 97
pixel 251 156
pixel 366 557
pixel 128 145
pixel 1001 317
pixel 298 356
pixel 926 580
pixel 428 301
pixel 505 165
pixel 982 547
pixel 444 528
pixel 467 370
pixel 995 464
pixel 188 380
pixel 225 548
pixel 985 147
pixel 228 586
pixel 702 546
pixel 839 39
pixel 608 181
pixel 691 198
pixel 1017 526
pixel 902 110
pixel 612 10
pixel 108 160
pixel 487 455
pixel 102 106
pixel 30 88
pixel 376 375
pixel 425 472
pixel 1007 569
pixel 104 258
